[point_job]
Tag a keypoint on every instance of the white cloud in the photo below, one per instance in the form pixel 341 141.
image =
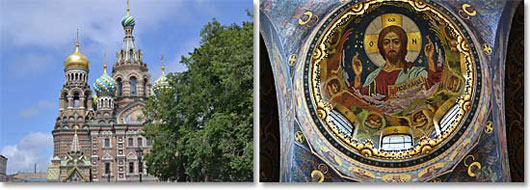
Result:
pixel 53 23
pixel 33 148
pixel 41 106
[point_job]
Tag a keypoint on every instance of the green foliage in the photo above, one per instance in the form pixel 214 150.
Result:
pixel 201 127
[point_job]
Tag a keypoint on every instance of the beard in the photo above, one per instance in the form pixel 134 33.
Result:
pixel 393 56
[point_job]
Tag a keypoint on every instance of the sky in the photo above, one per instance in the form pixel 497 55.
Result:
pixel 36 36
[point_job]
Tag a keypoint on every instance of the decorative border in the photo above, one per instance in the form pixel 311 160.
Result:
pixel 428 148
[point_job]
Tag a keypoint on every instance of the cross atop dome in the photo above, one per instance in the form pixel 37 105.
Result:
pixel 76 60
pixel 127 20
pixel 163 68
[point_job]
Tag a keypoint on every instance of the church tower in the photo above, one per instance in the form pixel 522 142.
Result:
pixel 104 142
pixel 105 87
pixel 75 104
pixel 117 127
pixel 130 72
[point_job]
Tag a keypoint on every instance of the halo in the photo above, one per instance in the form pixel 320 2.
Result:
pixel 374 28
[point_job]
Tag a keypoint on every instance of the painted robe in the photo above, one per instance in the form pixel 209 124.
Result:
pixel 378 81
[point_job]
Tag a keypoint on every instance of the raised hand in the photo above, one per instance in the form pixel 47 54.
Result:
pixel 357 65
pixel 429 53
pixel 429 48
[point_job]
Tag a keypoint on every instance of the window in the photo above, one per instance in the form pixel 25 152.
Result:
pixel 107 168
pixel 397 142
pixel 76 100
pixel 107 142
pixel 130 142
pixel 140 143
pixel 132 81
pixel 120 87
pixel 145 87
pixel 131 167
pixel 85 101
pixel 148 142
pixel 65 99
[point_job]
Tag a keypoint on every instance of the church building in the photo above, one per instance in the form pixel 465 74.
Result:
pixel 97 136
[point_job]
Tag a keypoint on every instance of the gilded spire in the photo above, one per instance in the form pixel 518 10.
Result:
pixel 75 140
pixel 161 83
pixel 163 67
pixel 77 41
pixel 75 129
pixel 105 62
pixel 76 60
pixel 127 7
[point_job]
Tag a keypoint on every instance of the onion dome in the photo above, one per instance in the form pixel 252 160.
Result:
pixel 105 84
pixel 161 83
pixel 127 20
pixel 76 60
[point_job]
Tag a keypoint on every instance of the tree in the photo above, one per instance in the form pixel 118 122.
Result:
pixel 201 127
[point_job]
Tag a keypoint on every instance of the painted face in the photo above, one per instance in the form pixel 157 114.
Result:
pixel 374 120
pixel 392 45
pixel 333 87
pixel 420 119
pixel 453 84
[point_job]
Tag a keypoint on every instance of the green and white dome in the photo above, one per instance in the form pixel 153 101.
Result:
pixel 127 21
pixel 105 84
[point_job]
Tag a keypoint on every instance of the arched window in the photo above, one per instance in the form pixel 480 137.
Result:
pixel 65 99
pixel 76 100
pixel 85 101
pixel 132 81
pixel 120 87
pixel 145 87
pixel 140 143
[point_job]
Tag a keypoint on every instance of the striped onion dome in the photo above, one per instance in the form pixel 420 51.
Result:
pixel 105 84
pixel 127 21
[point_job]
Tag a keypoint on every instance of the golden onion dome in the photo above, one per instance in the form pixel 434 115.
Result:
pixel 76 59
pixel 161 83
